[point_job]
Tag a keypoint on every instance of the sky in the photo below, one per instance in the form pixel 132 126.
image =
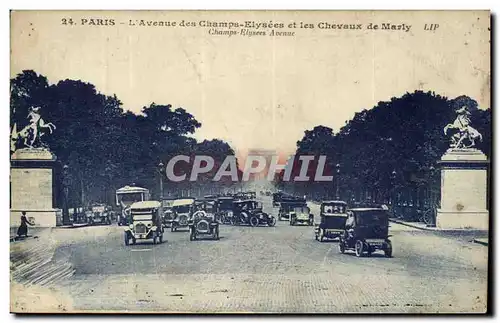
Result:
pixel 259 92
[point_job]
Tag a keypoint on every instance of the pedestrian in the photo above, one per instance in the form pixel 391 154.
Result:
pixel 23 228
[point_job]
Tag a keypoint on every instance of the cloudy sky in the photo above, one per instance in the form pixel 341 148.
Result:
pixel 261 91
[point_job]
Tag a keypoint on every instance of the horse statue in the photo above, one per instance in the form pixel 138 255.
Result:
pixel 466 133
pixel 33 132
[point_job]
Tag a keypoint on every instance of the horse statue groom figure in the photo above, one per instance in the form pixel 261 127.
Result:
pixel 465 131
pixel 33 132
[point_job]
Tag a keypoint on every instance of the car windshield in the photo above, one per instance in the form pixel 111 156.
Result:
pixel 130 197
pixel 376 217
pixel 334 208
pixel 225 204
pixel 301 209
pixel 182 208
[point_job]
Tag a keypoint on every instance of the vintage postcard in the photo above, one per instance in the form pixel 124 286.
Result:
pixel 250 161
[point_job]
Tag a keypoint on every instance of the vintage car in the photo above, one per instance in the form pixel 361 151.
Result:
pixel 277 199
pixel 145 222
pixel 99 213
pixel 203 223
pixel 250 212
pixel 182 211
pixel 366 230
pixel 333 215
pixel 168 212
pixel 224 209
pixel 301 214
pixel 287 205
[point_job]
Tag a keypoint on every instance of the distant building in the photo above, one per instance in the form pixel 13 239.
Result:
pixel 268 155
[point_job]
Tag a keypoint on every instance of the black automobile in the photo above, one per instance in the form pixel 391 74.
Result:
pixel 203 224
pixel 224 209
pixel 366 230
pixel 333 215
pixel 250 212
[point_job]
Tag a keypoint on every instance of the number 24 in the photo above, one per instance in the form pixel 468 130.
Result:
pixel 65 21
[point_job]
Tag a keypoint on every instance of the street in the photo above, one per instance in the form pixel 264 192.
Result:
pixel 278 269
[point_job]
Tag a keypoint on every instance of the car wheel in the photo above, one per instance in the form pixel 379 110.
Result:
pixel 254 221
pixel 272 221
pixel 388 250
pixel 359 248
pixel 127 240
pixel 341 247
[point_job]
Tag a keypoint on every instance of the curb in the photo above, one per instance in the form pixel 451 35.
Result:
pixel 480 242
pixel 415 226
pixel 443 231
pixel 71 226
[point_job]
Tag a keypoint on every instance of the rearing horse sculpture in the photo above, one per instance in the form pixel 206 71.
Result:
pixel 465 130
pixel 32 133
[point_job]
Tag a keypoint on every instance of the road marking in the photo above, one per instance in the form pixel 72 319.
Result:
pixel 141 249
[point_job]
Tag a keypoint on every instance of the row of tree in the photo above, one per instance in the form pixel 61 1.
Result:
pixel 105 147
pixel 392 148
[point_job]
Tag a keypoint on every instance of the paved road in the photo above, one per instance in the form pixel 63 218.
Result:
pixel 263 269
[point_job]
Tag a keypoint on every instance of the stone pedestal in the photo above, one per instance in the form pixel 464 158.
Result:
pixel 32 187
pixel 464 184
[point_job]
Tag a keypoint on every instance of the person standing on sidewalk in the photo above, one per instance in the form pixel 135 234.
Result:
pixel 23 228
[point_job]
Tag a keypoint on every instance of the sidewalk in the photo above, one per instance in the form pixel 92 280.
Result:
pixel 481 236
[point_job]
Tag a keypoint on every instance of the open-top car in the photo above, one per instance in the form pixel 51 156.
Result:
pixel 366 230
pixel 182 211
pixel 287 206
pixel 99 213
pixel 250 212
pixel 145 222
pixel 203 223
pixel 301 214
pixel 333 215
pixel 224 209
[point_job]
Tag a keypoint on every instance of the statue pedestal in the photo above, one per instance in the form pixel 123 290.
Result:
pixel 464 185
pixel 32 187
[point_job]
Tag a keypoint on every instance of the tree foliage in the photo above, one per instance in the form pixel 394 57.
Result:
pixel 104 146
pixel 394 144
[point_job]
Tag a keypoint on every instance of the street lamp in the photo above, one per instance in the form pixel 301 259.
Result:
pixel 393 182
pixel 66 191
pixel 337 195
pixel 160 171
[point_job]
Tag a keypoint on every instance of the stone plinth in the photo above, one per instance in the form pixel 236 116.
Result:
pixel 31 187
pixel 464 185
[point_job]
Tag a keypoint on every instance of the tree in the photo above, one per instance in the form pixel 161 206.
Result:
pixel 104 146
pixel 404 135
